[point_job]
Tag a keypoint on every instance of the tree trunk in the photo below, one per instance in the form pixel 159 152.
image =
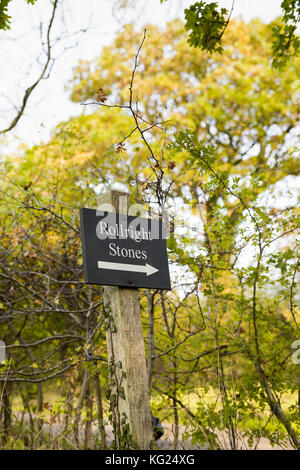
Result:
pixel 175 407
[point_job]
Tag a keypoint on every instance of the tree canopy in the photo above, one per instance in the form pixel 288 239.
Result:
pixel 5 19
pixel 178 126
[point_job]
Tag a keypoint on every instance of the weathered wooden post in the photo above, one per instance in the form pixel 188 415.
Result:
pixel 123 252
pixel 125 347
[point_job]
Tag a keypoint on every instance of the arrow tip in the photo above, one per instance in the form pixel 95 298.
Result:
pixel 150 269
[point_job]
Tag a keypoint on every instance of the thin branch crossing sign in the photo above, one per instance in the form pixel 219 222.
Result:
pixel 123 250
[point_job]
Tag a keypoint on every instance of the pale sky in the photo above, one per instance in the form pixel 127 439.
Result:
pixel 49 104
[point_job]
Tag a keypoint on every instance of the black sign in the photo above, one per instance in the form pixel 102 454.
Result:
pixel 121 250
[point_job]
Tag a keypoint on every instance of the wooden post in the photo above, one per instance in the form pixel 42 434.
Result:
pixel 125 345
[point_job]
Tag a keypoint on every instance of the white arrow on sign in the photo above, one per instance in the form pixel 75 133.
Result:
pixel 147 268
